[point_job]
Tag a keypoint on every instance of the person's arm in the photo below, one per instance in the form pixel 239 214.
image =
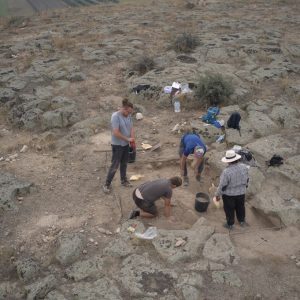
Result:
pixel 119 135
pixel 197 164
pixel 224 180
pixel 167 207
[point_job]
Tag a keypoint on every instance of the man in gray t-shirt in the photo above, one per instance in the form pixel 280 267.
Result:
pixel 147 193
pixel 122 135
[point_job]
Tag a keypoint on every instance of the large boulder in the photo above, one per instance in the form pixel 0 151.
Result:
pixel 6 95
pixel 10 186
pixel 41 288
pixel 59 118
pixel 93 267
pixel 195 238
pixel 279 201
pixel 285 115
pixel 261 123
pixel 285 144
pixel 103 288
pixel 69 248
pixel 143 277
pixel 27 269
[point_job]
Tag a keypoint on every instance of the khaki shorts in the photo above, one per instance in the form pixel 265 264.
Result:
pixel 145 205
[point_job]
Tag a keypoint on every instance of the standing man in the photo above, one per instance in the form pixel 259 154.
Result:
pixel 191 143
pixel 147 193
pixel 233 184
pixel 122 135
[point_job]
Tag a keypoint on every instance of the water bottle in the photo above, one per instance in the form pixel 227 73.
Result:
pixel 177 106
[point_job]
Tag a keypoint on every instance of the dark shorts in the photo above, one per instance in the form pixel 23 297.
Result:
pixel 145 205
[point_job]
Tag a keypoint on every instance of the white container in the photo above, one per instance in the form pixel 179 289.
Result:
pixel 177 106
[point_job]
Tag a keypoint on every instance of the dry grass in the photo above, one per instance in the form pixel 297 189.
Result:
pixel 63 43
pixel 263 58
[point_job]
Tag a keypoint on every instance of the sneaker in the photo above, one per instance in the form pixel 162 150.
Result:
pixel 243 224
pixel 106 189
pixel 134 214
pixel 126 183
pixel 229 227
pixel 185 181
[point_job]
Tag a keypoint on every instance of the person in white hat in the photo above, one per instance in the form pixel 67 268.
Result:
pixel 233 184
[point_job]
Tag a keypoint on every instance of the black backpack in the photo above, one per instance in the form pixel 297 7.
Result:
pixel 245 154
pixel 234 121
pixel 275 161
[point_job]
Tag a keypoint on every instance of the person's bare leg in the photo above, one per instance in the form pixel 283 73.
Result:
pixel 145 214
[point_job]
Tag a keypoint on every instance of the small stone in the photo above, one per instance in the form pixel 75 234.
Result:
pixel 84 251
pixel 139 116
pixel 91 240
pixel 24 149
pixel 118 230
pixel 293 257
pixel 81 231
pixel 14 156
pixel 298 264
pixel 1 158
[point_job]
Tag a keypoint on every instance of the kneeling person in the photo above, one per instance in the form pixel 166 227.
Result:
pixel 147 193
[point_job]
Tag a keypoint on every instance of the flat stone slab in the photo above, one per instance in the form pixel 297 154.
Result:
pixel 90 268
pixel 142 277
pixel 10 186
pixel 41 288
pixel 69 249
pixel 103 288
pixel 219 248
pixel 226 277
pixel 165 243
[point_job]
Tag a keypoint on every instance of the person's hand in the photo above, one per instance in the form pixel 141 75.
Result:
pixel 171 219
pixel 131 140
pixel 217 198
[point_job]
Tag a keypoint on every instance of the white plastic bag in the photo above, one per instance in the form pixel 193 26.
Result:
pixel 149 234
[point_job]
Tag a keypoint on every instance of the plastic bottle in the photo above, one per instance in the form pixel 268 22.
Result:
pixel 177 106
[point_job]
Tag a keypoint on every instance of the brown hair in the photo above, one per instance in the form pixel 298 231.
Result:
pixel 126 103
pixel 176 180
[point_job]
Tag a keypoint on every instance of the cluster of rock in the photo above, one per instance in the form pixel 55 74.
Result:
pixel 148 269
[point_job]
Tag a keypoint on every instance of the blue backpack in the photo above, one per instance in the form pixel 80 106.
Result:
pixel 211 115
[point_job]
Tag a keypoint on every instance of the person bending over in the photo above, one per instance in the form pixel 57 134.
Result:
pixel 145 195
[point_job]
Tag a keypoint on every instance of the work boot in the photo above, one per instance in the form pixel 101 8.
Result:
pixel 229 227
pixel 243 224
pixel 106 189
pixel 126 183
pixel 185 181
pixel 135 213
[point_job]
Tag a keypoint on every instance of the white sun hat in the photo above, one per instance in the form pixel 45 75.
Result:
pixel 230 156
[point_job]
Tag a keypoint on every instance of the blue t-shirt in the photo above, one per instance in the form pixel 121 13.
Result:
pixel 189 142
pixel 124 124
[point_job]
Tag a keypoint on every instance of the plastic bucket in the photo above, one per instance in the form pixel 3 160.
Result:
pixel 131 155
pixel 201 202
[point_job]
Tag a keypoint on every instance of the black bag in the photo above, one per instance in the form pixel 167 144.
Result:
pixel 275 161
pixel 234 121
pixel 245 154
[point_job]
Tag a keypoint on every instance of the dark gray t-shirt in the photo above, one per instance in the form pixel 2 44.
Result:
pixel 124 124
pixel 153 190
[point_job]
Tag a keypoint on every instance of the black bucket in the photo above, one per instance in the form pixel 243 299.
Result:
pixel 132 155
pixel 201 202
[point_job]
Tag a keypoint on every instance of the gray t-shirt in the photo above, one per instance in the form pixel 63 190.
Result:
pixel 153 190
pixel 124 124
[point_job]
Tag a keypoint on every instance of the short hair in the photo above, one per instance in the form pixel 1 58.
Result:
pixel 176 180
pixel 126 103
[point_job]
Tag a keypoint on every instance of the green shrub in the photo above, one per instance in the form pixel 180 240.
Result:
pixel 142 64
pixel 185 43
pixel 213 89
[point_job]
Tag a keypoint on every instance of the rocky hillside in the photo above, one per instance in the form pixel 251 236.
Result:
pixel 62 74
